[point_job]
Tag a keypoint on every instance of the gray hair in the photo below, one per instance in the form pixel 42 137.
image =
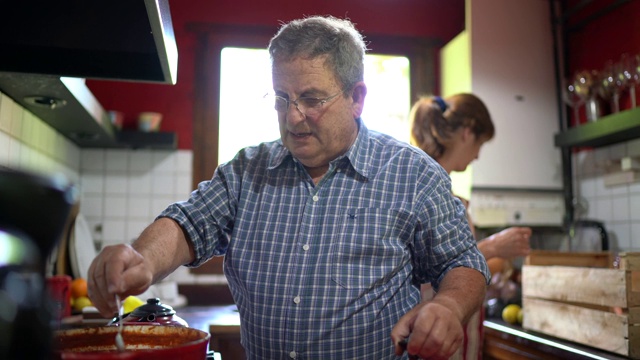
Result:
pixel 319 35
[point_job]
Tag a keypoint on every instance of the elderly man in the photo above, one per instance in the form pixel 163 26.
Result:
pixel 327 232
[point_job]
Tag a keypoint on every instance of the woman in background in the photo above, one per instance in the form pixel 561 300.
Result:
pixel 452 131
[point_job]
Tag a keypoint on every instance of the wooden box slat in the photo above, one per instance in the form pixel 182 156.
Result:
pixel 586 259
pixel 589 298
pixel 604 287
pixel 600 329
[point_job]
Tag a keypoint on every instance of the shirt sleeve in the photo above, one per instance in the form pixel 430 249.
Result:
pixel 207 216
pixel 444 239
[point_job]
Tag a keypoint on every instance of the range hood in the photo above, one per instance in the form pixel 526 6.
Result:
pixel 49 48
pixel 118 39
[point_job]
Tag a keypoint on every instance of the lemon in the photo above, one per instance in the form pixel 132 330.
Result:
pixel 81 302
pixel 520 316
pixel 510 313
pixel 131 303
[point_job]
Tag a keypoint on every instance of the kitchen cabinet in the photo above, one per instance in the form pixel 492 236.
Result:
pixel 505 56
pixel 50 49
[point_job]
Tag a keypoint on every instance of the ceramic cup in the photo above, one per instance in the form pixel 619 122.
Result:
pixel 149 121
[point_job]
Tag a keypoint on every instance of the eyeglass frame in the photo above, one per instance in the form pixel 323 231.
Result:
pixel 318 105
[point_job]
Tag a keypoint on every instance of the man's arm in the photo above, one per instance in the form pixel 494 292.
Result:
pixel 435 328
pixel 131 269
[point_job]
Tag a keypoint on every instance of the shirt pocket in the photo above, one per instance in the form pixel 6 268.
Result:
pixel 371 246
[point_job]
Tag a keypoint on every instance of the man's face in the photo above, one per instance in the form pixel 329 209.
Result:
pixel 326 130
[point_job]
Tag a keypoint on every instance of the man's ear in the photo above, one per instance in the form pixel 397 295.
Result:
pixel 358 95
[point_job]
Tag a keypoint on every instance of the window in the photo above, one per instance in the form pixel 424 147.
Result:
pixel 209 106
pixel 245 76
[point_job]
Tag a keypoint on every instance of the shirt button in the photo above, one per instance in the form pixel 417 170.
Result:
pixel 296 299
pixel 292 354
pixel 305 247
pixel 315 198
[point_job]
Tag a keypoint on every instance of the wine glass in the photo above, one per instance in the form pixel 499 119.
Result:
pixel 571 98
pixel 610 85
pixel 630 75
pixel 585 83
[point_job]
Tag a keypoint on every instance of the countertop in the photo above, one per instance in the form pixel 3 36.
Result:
pixel 202 317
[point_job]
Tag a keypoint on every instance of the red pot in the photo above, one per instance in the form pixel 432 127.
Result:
pixel 141 342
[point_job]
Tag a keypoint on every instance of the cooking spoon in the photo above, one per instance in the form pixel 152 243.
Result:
pixel 119 340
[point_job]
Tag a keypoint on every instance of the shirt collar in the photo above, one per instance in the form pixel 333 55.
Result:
pixel 357 153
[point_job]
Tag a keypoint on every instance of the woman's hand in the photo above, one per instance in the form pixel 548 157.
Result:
pixel 508 243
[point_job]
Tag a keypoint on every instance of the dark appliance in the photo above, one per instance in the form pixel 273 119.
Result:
pixel 33 211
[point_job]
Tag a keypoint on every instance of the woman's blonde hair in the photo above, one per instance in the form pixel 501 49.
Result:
pixel 434 120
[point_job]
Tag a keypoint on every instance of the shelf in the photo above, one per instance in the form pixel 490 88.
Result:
pixel 147 140
pixel 608 130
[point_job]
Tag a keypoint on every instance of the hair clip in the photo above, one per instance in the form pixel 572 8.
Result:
pixel 441 103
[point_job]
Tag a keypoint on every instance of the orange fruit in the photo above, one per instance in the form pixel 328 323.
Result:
pixel 79 288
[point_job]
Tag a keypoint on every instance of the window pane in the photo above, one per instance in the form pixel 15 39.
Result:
pixel 387 105
pixel 245 119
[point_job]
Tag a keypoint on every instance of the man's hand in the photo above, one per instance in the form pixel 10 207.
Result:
pixel 118 269
pixel 433 330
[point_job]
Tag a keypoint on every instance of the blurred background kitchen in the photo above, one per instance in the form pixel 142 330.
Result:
pixel 567 145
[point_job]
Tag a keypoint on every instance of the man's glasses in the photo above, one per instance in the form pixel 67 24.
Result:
pixel 308 106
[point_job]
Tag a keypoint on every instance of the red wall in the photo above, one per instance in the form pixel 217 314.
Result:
pixel 606 37
pixel 422 18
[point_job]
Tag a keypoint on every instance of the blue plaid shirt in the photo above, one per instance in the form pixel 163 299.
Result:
pixel 325 271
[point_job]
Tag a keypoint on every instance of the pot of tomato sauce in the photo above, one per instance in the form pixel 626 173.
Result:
pixel 145 341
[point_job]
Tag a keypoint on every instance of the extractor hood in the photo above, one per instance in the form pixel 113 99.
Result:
pixel 49 47
pixel 117 39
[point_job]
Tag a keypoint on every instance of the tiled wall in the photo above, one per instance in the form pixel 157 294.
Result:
pixel 124 190
pixel 121 190
pixel 27 143
pixel 617 206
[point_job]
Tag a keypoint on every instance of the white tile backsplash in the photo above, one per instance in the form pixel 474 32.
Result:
pixel 115 207
pixel 634 209
pixel 142 161
pixel 620 208
pixel 122 190
pixel 93 159
pixel 617 206
pixel 115 183
pixel 116 160
pixel 140 183
pixel 633 147
pixel 92 205
pixel 139 207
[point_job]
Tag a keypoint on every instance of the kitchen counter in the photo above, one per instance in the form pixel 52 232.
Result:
pixel 502 340
pixel 222 322
pixel 506 341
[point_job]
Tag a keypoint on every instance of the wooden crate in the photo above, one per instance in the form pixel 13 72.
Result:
pixel 581 297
